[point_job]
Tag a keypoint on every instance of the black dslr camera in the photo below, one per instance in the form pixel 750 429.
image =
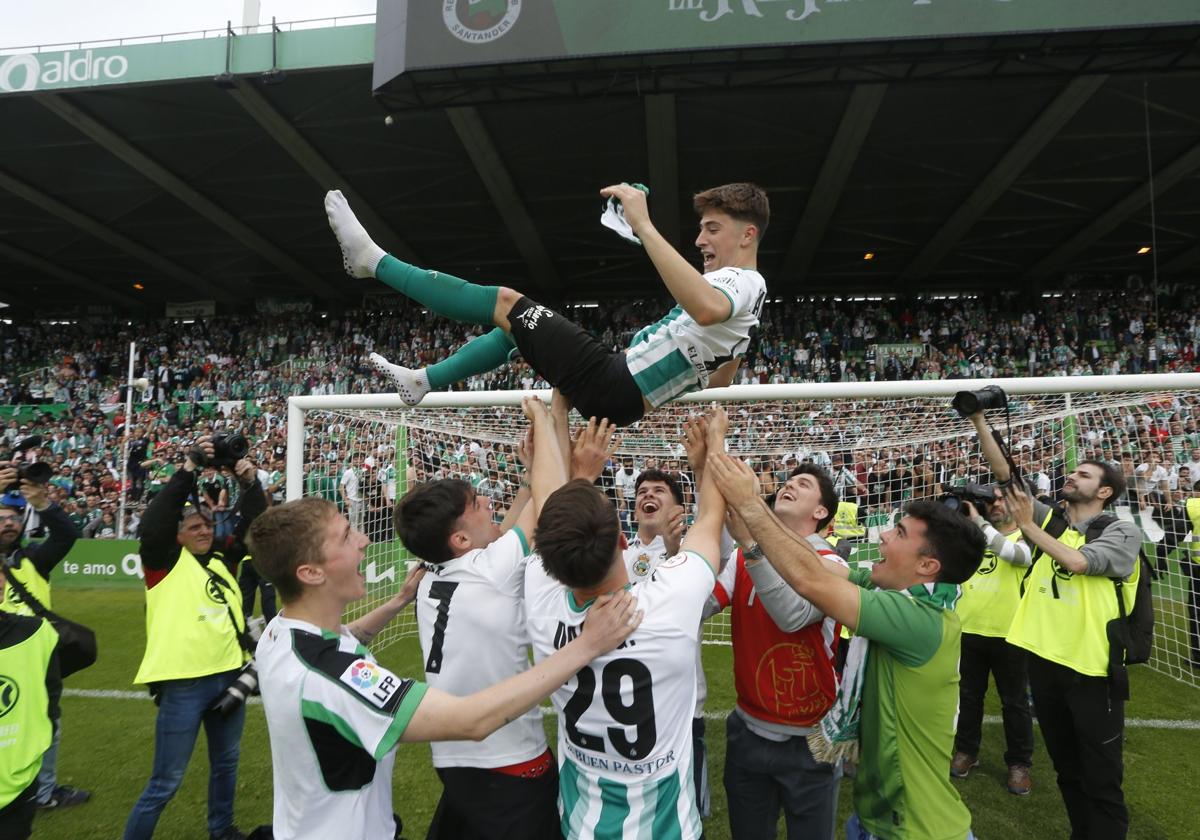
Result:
pixel 237 692
pixel 980 495
pixel 967 403
pixel 228 449
pixel 37 472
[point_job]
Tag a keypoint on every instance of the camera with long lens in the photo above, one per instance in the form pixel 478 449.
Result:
pixel 37 472
pixel 980 495
pixel 228 449
pixel 967 403
pixel 238 691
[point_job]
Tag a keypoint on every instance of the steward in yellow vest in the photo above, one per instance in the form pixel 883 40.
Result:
pixel 1062 621
pixel 31 564
pixel 989 601
pixel 29 694
pixel 845 522
pixel 196 641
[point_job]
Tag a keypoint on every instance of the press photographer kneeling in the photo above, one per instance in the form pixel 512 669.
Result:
pixel 1084 560
pixel 196 642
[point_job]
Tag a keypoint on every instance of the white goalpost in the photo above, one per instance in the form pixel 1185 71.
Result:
pixel 909 441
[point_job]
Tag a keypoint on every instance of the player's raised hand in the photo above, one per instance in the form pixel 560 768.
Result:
pixel 610 621
pixel 408 590
pixel 593 446
pixel 718 429
pixel 736 481
pixel 633 201
pixel 535 410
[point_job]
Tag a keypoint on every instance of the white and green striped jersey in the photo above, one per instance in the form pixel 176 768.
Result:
pixel 675 355
pixel 625 720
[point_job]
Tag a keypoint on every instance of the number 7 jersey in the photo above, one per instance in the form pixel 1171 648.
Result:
pixel 625 720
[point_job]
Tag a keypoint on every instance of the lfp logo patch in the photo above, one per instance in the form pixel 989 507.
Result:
pixel 363 675
pixel 374 684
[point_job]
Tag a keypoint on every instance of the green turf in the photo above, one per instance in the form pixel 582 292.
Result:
pixel 108 743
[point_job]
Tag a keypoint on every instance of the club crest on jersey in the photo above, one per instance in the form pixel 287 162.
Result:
pixel 641 566
pixel 373 683
pixel 480 21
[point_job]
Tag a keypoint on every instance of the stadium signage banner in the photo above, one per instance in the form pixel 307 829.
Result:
pixel 199 58
pixel 100 563
pixel 420 34
pixel 192 309
pixel 39 72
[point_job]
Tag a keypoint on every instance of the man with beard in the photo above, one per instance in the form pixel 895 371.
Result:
pixel 31 566
pixel 1062 621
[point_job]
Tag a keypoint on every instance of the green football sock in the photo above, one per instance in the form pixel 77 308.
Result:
pixel 444 294
pixel 485 353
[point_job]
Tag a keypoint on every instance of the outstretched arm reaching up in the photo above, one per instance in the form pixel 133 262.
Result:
pixel 704 537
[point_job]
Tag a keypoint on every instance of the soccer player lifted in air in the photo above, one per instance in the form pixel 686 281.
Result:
pixel 698 344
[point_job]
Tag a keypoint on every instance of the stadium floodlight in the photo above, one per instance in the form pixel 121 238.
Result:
pixel 899 427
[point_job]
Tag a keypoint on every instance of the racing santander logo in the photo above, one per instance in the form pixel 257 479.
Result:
pixel 480 21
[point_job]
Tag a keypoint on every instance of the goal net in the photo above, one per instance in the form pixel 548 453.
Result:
pixel 884 443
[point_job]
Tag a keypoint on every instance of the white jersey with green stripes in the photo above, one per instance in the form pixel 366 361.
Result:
pixel 675 355
pixel 625 720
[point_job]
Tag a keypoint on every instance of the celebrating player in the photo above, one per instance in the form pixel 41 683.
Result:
pixel 625 721
pixel 698 344
pixel 334 715
pixel 471 622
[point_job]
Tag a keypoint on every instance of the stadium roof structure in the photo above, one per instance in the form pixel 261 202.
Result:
pixel 195 168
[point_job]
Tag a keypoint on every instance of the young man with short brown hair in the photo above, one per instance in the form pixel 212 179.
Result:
pixel 698 344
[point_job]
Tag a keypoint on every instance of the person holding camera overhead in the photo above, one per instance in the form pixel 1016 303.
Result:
pixel 196 641
pixel 24 487
pixel 989 599
pixel 1078 681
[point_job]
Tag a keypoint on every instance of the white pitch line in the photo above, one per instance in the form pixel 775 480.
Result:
pixel 116 694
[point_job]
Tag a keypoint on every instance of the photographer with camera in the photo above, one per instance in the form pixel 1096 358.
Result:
pixel 30 688
pixel 29 564
pixel 986 608
pixel 197 648
pixel 1078 679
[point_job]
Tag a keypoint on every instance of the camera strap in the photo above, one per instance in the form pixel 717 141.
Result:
pixel 243 637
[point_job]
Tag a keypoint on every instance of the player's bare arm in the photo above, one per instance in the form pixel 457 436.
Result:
pixel 549 469
pixel 822 582
pixel 705 304
pixel 704 537
pixel 445 717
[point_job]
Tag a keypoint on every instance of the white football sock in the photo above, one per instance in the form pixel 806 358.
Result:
pixel 411 385
pixel 360 255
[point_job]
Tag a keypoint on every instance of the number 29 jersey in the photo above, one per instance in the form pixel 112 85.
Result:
pixel 625 720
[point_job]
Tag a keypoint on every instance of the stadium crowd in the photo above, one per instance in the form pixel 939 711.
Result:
pixel 236 372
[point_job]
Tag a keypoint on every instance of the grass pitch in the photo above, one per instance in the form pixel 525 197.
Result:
pixel 108 741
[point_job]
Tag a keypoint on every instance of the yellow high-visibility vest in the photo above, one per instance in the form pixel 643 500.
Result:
pixel 188 628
